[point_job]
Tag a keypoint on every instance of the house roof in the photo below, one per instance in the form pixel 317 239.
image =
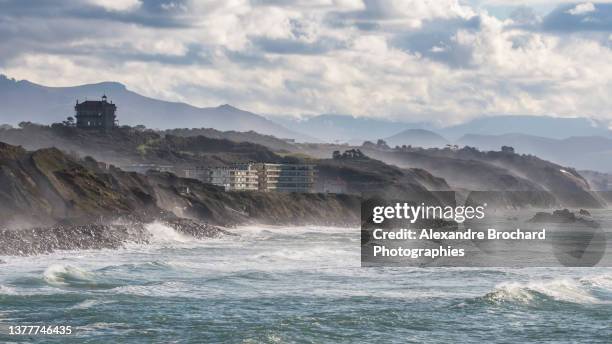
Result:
pixel 94 105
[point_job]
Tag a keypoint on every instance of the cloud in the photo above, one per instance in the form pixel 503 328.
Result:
pixel 582 9
pixel 410 60
pixel 437 40
pixel 117 5
pixel 525 17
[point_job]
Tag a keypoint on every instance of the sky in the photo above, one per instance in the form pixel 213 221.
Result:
pixel 444 61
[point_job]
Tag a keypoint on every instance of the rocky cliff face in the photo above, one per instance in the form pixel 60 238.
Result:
pixel 45 187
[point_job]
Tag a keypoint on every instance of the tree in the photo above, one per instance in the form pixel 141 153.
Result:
pixel 368 144
pixel 382 144
pixel 24 125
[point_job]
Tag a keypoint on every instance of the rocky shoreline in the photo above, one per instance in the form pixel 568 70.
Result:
pixel 44 240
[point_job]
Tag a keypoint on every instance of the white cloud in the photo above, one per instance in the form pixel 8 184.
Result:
pixel 117 5
pixel 220 58
pixel 582 9
pixel 551 3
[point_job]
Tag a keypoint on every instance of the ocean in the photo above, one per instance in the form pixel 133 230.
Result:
pixel 292 285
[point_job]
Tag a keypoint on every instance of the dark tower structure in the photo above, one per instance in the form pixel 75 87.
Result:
pixel 95 114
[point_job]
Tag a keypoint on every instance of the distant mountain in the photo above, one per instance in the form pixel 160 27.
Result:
pixel 584 152
pixel 26 101
pixel 544 126
pixel 417 137
pixel 345 128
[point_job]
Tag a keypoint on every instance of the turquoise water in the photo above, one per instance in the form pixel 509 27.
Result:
pixel 293 285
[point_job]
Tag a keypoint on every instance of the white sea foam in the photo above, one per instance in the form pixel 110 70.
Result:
pixel 599 281
pixel 58 274
pixel 260 229
pixel 6 290
pixel 166 289
pixel 162 233
pixel 89 303
pixel 350 259
pixel 567 290
pixel 105 327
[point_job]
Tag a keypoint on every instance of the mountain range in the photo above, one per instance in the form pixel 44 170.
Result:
pixel 579 142
pixel 27 101
pixel 345 128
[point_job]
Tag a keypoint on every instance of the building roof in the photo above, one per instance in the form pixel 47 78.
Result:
pixel 94 105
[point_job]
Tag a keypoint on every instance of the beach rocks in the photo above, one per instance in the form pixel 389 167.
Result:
pixel 196 229
pixel 42 240
pixel 564 216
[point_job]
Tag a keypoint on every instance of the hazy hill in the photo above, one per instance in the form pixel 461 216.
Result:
pixel 26 101
pixel 417 137
pixel 544 126
pixel 236 136
pixel 598 181
pixel 474 170
pixel 344 128
pixel 125 146
pixel 585 152
pixel 372 177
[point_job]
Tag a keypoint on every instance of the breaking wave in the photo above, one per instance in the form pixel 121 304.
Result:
pixel 161 233
pixel 59 275
pixel 6 290
pixel 65 274
pixel 586 290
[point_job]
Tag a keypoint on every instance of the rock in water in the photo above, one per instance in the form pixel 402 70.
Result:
pixel 562 216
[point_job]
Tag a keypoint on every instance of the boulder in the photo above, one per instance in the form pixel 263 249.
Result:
pixel 563 216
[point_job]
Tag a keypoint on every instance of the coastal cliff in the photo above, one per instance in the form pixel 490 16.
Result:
pixel 47 186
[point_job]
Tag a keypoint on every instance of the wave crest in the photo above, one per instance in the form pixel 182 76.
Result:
pixel 59 275
pixel 579 291
pixel 163 233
